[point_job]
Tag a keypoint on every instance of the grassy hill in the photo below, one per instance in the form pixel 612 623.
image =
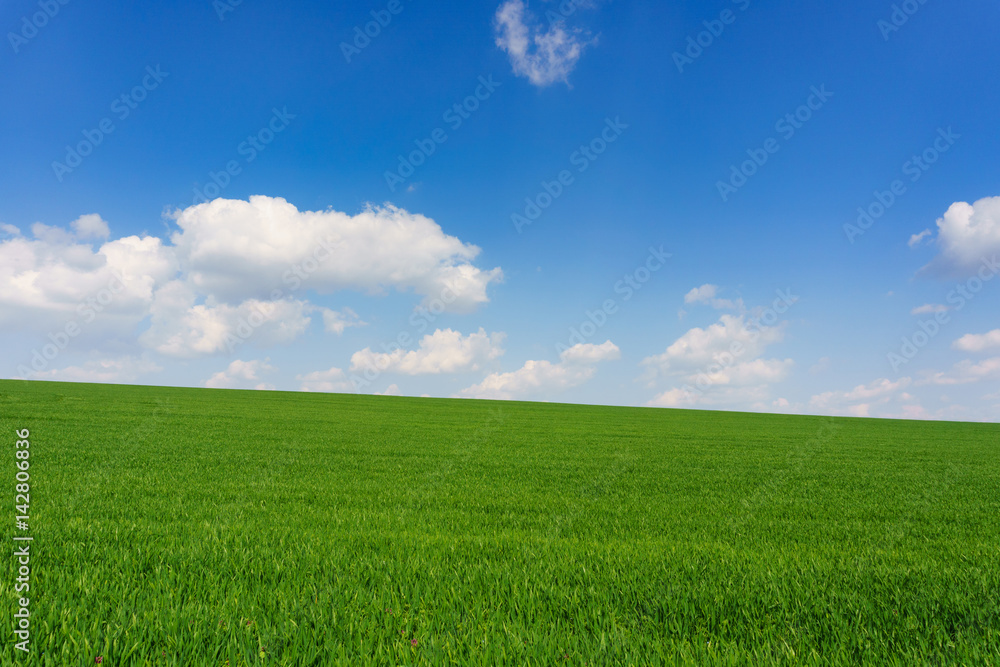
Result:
pixel 194 526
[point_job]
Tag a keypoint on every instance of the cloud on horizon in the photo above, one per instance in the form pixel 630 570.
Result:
pixel 576 365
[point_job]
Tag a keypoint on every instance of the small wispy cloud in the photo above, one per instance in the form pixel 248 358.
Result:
pixel 916 239
pixel 930 309
pixel 542 56
pixel 708 294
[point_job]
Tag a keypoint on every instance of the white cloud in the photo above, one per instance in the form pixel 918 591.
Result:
pixel 444 351
pixel 917 238
pixel 90 226
pixel 226 263
pixel 977 342
pixel 535 377
pixel 778 405
pixel 718 365
pixel 860 410
pixel 242 375
pixel 859 401
pixel 707 294
pixel 733 335
pixel 52 235
pixel 543 57
pixel 756 372
pixel 701 294
pixel 913 412
pixel 391 390
pixel 673 398
pixel 335 322
pixel 183 329
pixel 588 353
pixel 967 233
pixel 967 372
pixel 237 250
pixel 9 230
pixel 542 378
pixel 330 381
pixel 877 389
pixel 741 383
pixel 930 309
pixel 679 397
pixel 52 279
pixel 123 369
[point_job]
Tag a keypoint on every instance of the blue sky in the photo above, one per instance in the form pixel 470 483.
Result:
pixel 244 135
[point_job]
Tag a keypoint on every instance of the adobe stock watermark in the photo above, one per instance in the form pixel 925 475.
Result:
pixel 958 297
pixel 31 24
pixel 751 329
pixel 248 149
pixel 630 283
pixel 299 273
pixel 697 44
pixel 914 168
pixel 247 326
pixel 900 16
pixel 59 340
pixel 362 37
pixel 786 126
pixel 454 116
pixel 121 107
pixel 581 158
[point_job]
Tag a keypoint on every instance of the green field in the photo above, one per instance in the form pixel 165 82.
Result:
pixel 196 526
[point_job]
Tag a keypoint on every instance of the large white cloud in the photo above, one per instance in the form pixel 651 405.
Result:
pixel 542 56
pixel 542 378
pixel 236 250
pixel 966 235
pixel 181 328
pixel 225 265
pixel 444 351
pixel 57 277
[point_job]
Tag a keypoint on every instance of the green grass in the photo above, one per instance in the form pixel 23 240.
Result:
pixel 195 526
